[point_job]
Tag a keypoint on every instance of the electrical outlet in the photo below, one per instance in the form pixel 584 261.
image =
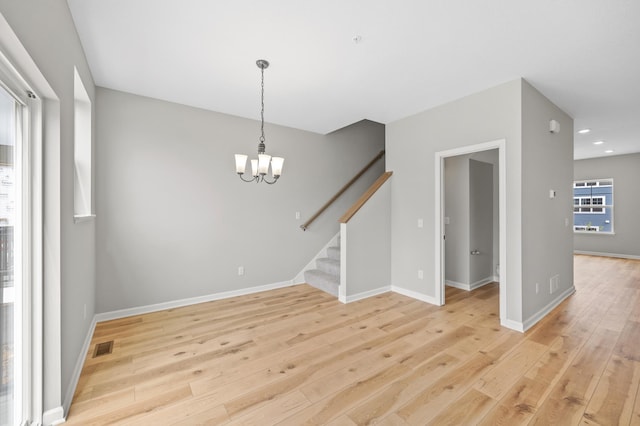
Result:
pixel 240 270
pixel 297 215
pixel 420 223
pixel 420 274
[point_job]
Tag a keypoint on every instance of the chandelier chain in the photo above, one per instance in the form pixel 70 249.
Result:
pixel 262 107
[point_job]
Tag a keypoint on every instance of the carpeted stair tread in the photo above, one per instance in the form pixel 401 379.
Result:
pixel 322 280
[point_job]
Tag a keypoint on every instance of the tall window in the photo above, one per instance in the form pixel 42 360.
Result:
pixel 10 278
pixel 593 206
pixel 20 249
pixel 82 150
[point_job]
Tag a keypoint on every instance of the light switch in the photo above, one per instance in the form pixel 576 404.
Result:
pixel 447 220
pixel 420 223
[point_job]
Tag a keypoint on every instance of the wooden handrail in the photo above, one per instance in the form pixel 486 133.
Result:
pixel 365 197
pixel 305 225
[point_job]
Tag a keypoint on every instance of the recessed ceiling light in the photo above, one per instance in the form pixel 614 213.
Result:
pixel 583 131
pixel 598 142
pixel 609 151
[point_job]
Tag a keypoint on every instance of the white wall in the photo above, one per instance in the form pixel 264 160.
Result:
pixel 411 147
pixel 175 221
pixel 625 171
pixel 46 31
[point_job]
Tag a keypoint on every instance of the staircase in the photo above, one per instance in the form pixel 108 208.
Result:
pixel 327 275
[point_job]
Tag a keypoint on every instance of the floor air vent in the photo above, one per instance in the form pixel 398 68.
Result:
pixel 103 348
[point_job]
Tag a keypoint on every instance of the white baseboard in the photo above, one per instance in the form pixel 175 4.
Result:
pixel 513 325
pixel 75 376
pixel 472 286
pixel 617 255
pixel 365 294
pixel 415 295
pixel 533 319
pixel 53 417
pixel 122 313
pixel 56 416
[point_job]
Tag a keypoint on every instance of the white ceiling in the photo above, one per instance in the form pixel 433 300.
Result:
pixel 584 55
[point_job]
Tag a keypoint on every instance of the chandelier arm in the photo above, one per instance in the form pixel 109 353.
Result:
pixel 249 180
pixel 275 179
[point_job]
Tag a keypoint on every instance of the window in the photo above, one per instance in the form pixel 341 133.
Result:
pixel 15 261
pixel 20 249
pixel 82 193
pixel 593 206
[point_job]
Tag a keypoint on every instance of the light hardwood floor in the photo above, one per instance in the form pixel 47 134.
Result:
pixel 296 356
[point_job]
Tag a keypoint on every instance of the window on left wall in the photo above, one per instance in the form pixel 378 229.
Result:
pixel 82 181
pixel 20 244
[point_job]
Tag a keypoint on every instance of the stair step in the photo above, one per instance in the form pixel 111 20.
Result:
pixel 330 266
pixel 333 253
pixel 322 281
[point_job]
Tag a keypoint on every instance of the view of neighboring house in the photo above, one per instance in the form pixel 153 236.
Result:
pixel 593 206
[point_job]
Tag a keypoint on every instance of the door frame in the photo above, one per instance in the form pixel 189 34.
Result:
pixel 440 156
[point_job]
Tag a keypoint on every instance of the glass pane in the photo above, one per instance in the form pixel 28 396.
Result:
pixel 8 309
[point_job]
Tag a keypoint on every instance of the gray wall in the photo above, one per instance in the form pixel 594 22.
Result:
pixel 480 220
pixel 366 241
pixel 175 221
pixel 547 239
pixel 472 211
pixel 411 147
pixel 625 171
pixel 46 31
pixel 513 111
pixel 491 157
pixel 456 208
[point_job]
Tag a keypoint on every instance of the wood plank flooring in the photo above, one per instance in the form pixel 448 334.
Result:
pixel 296 356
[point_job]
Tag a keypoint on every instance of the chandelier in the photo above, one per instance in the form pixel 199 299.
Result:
pixel 260 166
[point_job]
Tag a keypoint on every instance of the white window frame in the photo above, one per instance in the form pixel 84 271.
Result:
pixel 590 206
pixel 594 183
pixel 82 152
pixel 28 245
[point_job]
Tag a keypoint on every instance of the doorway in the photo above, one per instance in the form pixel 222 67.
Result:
pixel 441 221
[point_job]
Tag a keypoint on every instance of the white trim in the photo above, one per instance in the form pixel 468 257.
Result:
pixel 123 313
pixel 55 416
pixel 415 295
pixel 47 369
pixel 533 320
pixel 513 325
pixel 83 218
pixel 342 288
pixel 366 294
pixel 472 286
pixel 75 376
pixel 499 144
pixel 299 279
pixel 617 255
